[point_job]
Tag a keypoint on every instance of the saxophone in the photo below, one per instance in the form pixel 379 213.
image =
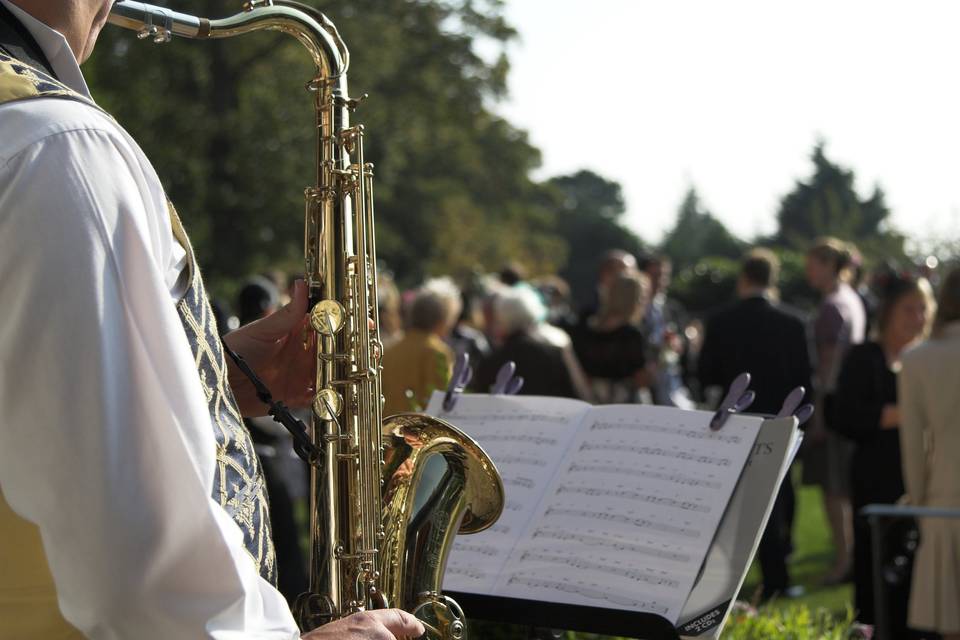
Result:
pixel 387 496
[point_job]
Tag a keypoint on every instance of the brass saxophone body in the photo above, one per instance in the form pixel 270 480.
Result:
pixel 387 496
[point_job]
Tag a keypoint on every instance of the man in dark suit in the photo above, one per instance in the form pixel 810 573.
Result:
pixel 757 335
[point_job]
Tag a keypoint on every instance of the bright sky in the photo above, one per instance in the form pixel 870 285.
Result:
pixel 730 96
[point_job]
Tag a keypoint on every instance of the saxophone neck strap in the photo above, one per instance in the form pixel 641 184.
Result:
pixel 302 444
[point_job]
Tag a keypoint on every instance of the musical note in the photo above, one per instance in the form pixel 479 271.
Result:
pixel 482 549
pixel 587 565
pixel 505 460
pixel 696 434
pixel 526 483
pixel 520 437
pixel 508 416
pixel 634 495
pixel 467 572
pixel 655 451
pixel 589 592
pixel 499 528
pixel 609 543
pixel 513 505
pixel 642 473
pixel 642 523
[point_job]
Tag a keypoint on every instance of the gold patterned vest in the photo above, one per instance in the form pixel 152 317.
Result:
pixel 28 601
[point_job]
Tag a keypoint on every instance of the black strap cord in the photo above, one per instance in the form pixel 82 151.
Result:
pixel 302 444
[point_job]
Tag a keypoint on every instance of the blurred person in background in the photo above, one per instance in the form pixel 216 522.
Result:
pixel 610 345
pixel 388 309
pixel 840 323
pixel 465 337
pixel 757 335
pixel 662 324
pixel 612 263
pixel 420 362
pixel 516 314
pixel 284 473
pixel 865 411
pixel 928 385
pixel 555 292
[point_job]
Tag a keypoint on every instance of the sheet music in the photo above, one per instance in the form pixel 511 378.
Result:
pixel 627 520
pixel 737 539
pixel 524 437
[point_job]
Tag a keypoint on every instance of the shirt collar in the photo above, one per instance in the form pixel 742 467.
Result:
pixel 55 48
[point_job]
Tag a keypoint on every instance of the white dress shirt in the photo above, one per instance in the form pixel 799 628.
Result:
pixel 105 436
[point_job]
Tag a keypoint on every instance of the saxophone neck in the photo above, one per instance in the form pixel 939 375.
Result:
pixel 310 27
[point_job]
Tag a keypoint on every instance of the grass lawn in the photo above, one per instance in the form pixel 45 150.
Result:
pixel 811 560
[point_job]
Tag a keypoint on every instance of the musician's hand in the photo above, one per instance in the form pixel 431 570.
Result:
pixel 273 347
pixel 382 624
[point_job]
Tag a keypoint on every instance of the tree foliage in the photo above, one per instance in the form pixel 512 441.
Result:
pixel 229 127
pixel 698 233
pixel 589 220
pixel 827 204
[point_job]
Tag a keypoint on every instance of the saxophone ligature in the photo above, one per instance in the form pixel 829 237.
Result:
pixel 388 496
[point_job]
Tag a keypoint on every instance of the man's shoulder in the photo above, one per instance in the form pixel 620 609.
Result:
pixel 29 122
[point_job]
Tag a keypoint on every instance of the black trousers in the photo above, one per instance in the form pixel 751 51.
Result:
pixel 777 541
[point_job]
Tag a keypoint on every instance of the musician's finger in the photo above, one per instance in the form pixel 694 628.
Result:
pixel 400 623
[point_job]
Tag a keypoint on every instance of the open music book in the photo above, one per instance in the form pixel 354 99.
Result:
pixel 621 507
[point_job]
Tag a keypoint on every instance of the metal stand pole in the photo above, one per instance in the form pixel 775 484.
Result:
pixel 878 532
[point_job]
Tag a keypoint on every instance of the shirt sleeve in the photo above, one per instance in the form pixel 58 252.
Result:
pixel 105 442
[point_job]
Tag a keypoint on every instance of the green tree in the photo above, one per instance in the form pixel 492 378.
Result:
pixel 589 220
pixel 827 204
pixel 698 234
pixel 229 128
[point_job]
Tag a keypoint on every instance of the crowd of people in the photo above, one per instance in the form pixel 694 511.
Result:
pixel 867 443
pixel 874 357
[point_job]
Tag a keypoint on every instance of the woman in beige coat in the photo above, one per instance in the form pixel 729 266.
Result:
pixel 929 391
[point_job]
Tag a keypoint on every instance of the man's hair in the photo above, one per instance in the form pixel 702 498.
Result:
pixel 257 297
pixel 837 253
pixel 648 260
pixel 761 268
pixel 518 309
pixel 437 303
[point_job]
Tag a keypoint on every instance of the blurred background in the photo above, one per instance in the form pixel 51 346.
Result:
pixel 523 141
pixel 546 133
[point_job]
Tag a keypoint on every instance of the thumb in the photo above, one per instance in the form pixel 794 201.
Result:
pixel 288 318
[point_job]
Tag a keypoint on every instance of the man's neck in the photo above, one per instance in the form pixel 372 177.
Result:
pixel 73 19
pixel 754 292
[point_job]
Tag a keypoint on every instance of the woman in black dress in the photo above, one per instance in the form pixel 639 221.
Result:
pixel 610 345
pixel 865 410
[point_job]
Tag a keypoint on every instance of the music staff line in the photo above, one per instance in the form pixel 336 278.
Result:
pixel 636 497
pixel 698 434
pixel 675 478
pixel 536 462
pixel 487 418
pixel 468 572
pixel 656 451
pixel 519 481
pixel 588 592
pixel 483 549
pixel 587 565
pixel 554 512
pixel 520 437
pixel 608 543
